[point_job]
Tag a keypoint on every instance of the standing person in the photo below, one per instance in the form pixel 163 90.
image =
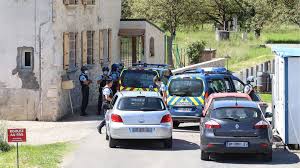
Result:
pixel 85 82
pixel 166 76
pixel 101 81
pixel 115 77
pixel 107 98
pixel 161 87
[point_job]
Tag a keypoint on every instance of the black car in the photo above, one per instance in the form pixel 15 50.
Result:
pixel 235 127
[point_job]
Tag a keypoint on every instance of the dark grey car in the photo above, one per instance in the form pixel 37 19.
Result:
pixel 235 127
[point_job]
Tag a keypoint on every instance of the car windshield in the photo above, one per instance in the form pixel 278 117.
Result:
pixel 231 98
pixel 236 114
pixel 138 78
pixel 141 104
pixel 186 87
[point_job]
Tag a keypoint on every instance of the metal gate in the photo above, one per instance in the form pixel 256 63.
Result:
pixel 132 50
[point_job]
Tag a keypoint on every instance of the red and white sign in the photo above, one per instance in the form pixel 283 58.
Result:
pixel 16 135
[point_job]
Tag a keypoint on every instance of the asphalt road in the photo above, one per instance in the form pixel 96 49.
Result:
pixel 93 152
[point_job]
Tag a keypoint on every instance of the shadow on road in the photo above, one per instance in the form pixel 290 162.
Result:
pixel 280 156
pixel 187 129
pixel 178 145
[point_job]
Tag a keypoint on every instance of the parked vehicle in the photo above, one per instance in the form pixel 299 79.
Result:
pixel 235 127
pixel 224 96
pixel 139 77
pixel 138 115
pixel 187 91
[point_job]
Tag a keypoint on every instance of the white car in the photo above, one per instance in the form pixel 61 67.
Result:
pixel 138 115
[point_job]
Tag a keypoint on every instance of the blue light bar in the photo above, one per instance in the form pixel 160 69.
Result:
pixel 215 70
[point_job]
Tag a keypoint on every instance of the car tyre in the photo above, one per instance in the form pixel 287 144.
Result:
pixel 176 124
pixel 106 135
pixel 112 142
pixel 268 157
pixel 204 155
pixel 168 143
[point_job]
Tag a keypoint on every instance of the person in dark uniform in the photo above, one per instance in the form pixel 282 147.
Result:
pixel 107 98
pixel 114 74
pixel 101 81
pixel 85 82
pixel 161 87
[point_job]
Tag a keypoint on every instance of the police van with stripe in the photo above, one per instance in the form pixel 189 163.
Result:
pixel 187 91
pixel 139 77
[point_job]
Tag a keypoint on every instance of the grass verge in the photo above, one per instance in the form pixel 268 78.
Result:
pixel 266 98
pixel 42 156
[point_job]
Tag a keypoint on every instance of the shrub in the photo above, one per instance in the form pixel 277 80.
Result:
pixel 4 146
pixel 195 50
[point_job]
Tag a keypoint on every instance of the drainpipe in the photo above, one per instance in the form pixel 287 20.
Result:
pixel 40 59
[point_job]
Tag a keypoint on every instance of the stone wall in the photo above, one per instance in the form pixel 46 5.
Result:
pixel 219 62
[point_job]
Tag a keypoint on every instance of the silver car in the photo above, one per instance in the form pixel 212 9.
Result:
pixel 138 115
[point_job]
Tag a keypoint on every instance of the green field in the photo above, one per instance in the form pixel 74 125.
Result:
pixel 44 156
pixel 243 53
pixel 266 98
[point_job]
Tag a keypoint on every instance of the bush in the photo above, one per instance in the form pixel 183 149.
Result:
pixel 4 146
pixel 195 50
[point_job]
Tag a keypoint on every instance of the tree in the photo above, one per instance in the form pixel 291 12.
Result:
pixel 222 12
pixel 126 9
pixel 170 14
pixel 289 11
pixel 262 14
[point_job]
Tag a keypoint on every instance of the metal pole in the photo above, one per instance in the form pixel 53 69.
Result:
pixel 17 155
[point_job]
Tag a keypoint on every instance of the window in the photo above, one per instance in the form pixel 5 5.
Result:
pixel 70 2
pixel 90 46
pixel 88 2
pixel 152 51
pixel 141 104
pixel 240 114
pixel 73 49
pixel 186 87
pixel 138 78
pixel 217 86
pixel 27 57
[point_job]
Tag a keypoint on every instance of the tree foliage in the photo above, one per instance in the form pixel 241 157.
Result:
pixel 126 9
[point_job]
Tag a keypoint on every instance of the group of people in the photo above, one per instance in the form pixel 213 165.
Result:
pixel 107 82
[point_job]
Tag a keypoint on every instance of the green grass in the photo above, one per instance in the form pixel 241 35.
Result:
pixel 42 156
pixel 266 97
pixel 243 53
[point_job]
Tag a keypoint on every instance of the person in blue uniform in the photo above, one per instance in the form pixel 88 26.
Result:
pixel 101 81
pixel 106 100
pixel 85 82
pixel 161 87
pixel 114 74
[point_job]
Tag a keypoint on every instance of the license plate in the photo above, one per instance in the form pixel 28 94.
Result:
pixel 147 130
pixel 184 103
pixel 184 109
pixel 237 144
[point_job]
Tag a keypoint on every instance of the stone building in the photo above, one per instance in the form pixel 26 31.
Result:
pixel 44 43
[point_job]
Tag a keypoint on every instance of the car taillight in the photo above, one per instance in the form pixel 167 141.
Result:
pixel 212 124
pixel 262 125
pixel 116 118
pixel 166 119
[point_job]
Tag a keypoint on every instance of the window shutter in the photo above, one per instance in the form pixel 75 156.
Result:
pixel 84 47
pixel 66 50
pixel 101 46
pixel 66 2
pixel 109 45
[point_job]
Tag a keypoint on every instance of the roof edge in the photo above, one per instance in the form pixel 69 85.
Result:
pixel 144 20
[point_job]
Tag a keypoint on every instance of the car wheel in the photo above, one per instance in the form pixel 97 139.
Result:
pixel 268 157
pixel 106 135
pixel 205 155
pixel 112 142
pixel 176 124
pixel 168 143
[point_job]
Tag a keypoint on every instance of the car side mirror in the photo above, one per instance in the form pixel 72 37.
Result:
pixel 268 115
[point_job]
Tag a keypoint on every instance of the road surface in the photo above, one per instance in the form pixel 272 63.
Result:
pixel 93 152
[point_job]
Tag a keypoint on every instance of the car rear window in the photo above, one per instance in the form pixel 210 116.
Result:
pixel 138 78
pixel 141 104
pixel 241 114
pixel 231 98
pixel 186 87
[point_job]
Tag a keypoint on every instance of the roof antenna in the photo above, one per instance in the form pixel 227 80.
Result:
pixel 236 103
